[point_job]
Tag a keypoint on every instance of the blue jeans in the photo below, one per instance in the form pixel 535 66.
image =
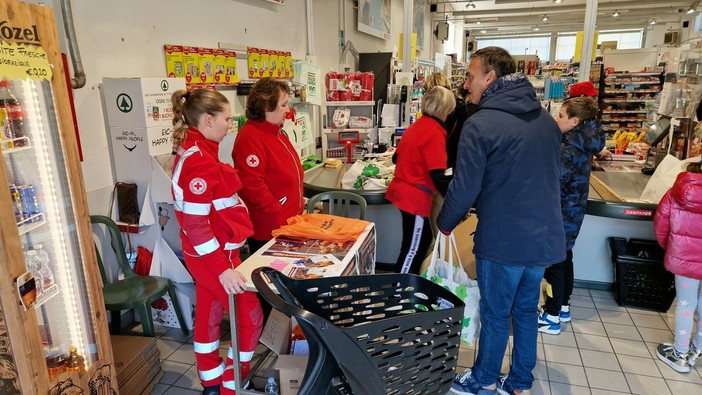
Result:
pixel 507 292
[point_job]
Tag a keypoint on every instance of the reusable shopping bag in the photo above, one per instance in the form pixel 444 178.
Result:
pixel 322 227
pixel 368 175
pixel 453 277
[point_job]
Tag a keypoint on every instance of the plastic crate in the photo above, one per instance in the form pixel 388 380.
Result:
pixel 641 279
pixel 373 334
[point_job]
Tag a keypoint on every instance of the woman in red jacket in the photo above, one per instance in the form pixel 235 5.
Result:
pixel 419 175
pixel 268 164
pixel 678 225
pixel 214 224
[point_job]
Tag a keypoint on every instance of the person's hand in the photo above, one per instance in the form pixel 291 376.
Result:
pixel 232 281
pixel 605 154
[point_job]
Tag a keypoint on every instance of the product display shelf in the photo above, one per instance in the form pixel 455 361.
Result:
pixel 53 332
pixel 331 147
pixel 626 99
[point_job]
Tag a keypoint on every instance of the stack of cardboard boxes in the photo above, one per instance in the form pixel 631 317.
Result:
pixel 137 361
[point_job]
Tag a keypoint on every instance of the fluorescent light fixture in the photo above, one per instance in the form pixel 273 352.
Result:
pixel 544 18
pixel 615 14
pixel 691 10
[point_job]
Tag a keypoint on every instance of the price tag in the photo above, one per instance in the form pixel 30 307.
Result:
pixel 24 61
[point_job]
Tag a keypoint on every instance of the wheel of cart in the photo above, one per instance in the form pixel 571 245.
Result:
pixel 372 334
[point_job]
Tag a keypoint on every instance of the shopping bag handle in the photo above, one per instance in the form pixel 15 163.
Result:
pixel 440 249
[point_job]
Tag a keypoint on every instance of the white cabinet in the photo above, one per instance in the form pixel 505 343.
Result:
pixel 331 147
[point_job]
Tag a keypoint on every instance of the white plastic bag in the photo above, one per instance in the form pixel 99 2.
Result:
pixel 664 178
pixel 453 277
pixel 367 175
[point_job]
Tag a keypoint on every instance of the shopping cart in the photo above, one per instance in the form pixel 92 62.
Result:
pixel 372 334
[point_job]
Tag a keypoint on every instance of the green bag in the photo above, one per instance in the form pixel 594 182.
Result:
pixel 453 277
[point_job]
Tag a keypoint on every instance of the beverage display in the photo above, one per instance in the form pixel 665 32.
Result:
pixel 44 264
pixel 11 114
pixel 30 206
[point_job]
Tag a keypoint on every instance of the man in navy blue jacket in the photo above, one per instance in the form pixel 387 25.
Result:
pixel 508 168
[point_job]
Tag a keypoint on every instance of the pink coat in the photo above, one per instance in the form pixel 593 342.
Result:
pixel 678 225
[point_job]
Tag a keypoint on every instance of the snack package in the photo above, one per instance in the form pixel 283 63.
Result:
pixel 341 117
pixel 360 122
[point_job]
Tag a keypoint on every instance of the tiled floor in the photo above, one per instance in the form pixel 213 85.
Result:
pixel 606 349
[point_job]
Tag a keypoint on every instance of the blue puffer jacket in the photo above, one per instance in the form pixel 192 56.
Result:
pixel 508 168
pixel 577 149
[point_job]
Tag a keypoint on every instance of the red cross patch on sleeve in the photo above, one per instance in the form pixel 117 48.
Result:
pixel 252 160
pixel 198 186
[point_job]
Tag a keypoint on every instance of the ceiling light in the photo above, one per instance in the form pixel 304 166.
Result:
pixel 478 22
pixel 470 4
pixel 653 21
pixel 558 1
pixel 483 31
pixel 536 28
pixel 544 18
pixel 691 10
pixel 615 13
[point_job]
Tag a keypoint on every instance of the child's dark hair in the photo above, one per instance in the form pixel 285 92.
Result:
pixel 694 167
pixel 188 107
pixel 264 97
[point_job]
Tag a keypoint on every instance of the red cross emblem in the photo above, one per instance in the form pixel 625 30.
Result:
pixel 252 160
pixel 198 186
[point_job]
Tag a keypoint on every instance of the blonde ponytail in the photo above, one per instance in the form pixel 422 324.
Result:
pixel 179 125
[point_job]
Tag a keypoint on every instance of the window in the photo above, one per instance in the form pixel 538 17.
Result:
pixel 626 39
pixel 531 45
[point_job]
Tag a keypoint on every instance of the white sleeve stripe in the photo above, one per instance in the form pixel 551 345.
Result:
pixel 221 204
pixel 233 246
pixel 192 208
pixel 207 247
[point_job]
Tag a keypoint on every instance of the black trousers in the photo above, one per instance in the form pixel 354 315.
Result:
pixel 255 245
pixel 416 238
pixel 560 277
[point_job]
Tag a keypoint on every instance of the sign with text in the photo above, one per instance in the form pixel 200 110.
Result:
pixel 23 61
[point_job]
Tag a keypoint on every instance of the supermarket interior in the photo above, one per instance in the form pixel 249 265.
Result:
pixel 374 171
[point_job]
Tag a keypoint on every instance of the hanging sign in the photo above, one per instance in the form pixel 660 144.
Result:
pixel 20 61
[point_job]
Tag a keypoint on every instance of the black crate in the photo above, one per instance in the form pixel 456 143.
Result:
pixel 641 279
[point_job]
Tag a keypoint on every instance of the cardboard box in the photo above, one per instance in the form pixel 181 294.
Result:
pixel 291 368
pixel 137 363
pixel 140 103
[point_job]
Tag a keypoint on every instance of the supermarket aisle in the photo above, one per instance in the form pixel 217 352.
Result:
pixel 606 349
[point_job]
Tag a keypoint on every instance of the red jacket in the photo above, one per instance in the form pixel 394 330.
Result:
pixel 678 225
pixel 421 149
pixel 212 218
pixel 272 176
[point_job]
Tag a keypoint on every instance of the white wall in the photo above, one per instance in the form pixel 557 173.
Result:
pixel 125 39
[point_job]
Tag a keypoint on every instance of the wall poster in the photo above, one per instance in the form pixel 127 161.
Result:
pixel 374 18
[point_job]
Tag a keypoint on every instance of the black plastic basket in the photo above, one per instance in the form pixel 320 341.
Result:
pixel 641 279
pixel 373 334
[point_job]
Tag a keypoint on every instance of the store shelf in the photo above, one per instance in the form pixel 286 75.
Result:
pixel 624 120
pixel 611 83
pixel 631 91
pixel 10 146
pixel 349 103
pixel 658 73
pixel 624 112
pixel 31 223
pixel 46 296
pixel 606 100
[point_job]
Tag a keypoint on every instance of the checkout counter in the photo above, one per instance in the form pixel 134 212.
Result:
pixel 613 210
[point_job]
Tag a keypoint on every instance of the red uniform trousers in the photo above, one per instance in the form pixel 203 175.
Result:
pixel 211 304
